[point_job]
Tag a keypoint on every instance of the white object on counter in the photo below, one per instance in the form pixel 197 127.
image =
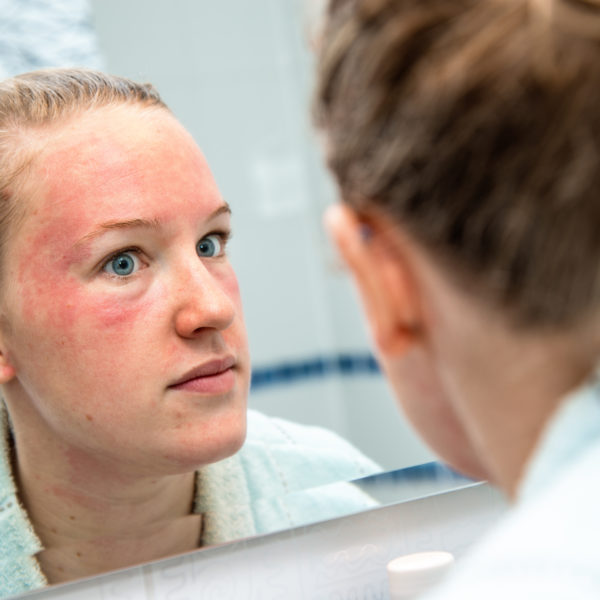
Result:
pixel 414 574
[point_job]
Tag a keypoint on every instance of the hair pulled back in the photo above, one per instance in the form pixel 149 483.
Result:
pixel 32 101
pixel 475 124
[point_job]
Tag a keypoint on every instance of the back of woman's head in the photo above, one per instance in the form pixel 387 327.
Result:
pixel 475 125
pixel 33 102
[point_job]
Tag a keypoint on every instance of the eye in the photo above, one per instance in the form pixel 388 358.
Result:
pixel 122 264
pixel 210 246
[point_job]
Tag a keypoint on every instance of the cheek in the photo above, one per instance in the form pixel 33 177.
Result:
pixel 67 307
pixel 42 286
pixel 49 306
pixel 111 314
pixel 113 340
pixel 230 286
pixel 71 320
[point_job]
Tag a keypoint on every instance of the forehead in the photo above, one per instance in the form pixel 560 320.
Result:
pixel 117 158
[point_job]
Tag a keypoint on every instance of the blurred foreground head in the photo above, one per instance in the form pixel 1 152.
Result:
pixel 474 124
pixel 465 140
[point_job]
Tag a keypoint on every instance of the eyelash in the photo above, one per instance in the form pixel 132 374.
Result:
pixel 224 237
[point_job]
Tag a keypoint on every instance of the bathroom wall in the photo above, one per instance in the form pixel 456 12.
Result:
pixel 238 75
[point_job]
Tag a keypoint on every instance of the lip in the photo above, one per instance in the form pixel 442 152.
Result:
pixel 211 368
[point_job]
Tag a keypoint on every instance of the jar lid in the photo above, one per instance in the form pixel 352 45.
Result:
pixel 418 572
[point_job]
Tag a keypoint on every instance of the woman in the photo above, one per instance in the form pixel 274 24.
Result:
pixel 123 357
pixel 464 136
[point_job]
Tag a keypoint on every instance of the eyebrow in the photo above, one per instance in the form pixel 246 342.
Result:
pixel 140 224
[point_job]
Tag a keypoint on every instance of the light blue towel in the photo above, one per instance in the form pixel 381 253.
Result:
pixel 285 475
pixel 19 571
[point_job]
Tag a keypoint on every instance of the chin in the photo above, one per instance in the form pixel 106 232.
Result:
pixel 207 445
pixel 469 468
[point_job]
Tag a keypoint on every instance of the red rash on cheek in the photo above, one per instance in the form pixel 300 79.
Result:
pixel 53 298
pixel 111 313
pixel 43 296
pixel 49 292
pixel 40 261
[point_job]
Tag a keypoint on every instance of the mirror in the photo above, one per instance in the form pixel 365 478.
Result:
pixel 238 77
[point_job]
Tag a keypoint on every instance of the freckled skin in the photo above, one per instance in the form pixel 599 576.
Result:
pixel 93 355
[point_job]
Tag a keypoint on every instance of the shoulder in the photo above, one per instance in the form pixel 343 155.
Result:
pixel 546 546
pixel 274 430
pixel 296 474
pixel 309 455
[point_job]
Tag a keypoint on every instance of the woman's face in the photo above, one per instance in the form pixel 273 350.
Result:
pixel 121 314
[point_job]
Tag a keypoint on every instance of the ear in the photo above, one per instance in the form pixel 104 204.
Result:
pixel 382 275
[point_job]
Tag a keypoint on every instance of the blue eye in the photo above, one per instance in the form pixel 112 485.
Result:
pixel 122 264
pixel 210 246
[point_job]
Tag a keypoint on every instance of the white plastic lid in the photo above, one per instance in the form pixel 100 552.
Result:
pixel 416 573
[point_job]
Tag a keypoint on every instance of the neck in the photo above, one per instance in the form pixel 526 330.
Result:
pixel 507 419
pixel 506 385
pixel 104 521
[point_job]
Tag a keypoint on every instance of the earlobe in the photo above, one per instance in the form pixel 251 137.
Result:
pixel 382 276
pixel 7 371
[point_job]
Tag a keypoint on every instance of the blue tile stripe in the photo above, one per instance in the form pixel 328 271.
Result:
pixel 318 367
pixel 434 470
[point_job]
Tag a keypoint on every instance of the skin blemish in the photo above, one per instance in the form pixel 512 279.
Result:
pixel 89 417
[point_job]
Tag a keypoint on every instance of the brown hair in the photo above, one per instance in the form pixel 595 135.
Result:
pixel 475 124
pixel 34 100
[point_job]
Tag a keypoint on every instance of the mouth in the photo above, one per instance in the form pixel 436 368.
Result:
pixel 212 377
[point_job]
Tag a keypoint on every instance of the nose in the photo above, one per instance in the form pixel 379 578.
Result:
pixel 202 302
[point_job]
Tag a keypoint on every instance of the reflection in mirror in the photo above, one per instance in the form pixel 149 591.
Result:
pixel 239 77
pixel 83 417
pixel 412 483
pixel 342 498
pixel 123 356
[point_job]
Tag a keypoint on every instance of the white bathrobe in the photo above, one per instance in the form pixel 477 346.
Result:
pixel 285 475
